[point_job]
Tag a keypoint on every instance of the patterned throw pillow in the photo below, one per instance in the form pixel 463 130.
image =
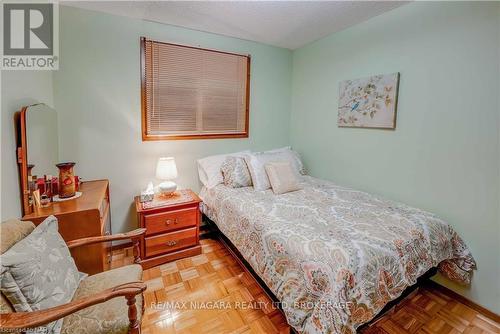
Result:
pixel 209 168
pixel 235 173
pixel 38 272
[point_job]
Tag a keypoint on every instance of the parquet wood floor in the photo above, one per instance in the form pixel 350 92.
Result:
pixel 211 293
pixel 431 311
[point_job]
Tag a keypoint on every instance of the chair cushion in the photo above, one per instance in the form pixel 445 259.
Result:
pixel 12 231
pixel 110 317
pixel 5 306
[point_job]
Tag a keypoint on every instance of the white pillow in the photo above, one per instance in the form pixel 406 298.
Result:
pixel 281 149
pixel 209 168
pixel 294 158
pixel 256 165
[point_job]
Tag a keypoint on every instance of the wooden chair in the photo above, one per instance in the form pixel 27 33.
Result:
pixel 96 306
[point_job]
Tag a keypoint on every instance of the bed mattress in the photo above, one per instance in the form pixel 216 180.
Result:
pixel 334 256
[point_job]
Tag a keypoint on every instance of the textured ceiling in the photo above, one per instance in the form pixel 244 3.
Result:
pixel 287 24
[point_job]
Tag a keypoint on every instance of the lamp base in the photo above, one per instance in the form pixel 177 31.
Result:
pixel 167 187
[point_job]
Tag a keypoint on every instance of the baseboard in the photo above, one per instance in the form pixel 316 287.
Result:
pixel 452 294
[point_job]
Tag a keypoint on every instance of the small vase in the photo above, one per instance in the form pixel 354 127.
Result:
pixel 66 179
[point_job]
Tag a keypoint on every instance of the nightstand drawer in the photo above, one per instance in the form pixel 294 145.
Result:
pixel 169 221
pixel 171 241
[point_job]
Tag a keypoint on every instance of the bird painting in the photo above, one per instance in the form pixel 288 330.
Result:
pixel 369 102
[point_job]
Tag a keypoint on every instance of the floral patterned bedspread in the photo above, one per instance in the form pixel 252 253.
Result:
pixel 335 256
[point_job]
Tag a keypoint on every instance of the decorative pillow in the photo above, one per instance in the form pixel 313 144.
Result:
pixel 257 161
pixel 293 156
pixel 235 173
pixel 209 168
pixel 282 177
pixel 38 272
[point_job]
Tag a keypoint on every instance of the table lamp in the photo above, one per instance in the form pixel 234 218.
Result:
pixel 167 171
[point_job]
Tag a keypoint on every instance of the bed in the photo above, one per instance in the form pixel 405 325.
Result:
pixel 333 256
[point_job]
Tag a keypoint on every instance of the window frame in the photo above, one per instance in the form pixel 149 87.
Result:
pixel 150 137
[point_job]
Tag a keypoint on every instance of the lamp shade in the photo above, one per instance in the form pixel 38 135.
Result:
pixel 166 169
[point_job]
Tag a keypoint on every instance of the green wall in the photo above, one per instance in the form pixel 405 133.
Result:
pixel 19 89
pixel 97 95
pixel 444 154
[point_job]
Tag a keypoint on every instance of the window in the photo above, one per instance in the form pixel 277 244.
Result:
pixel 192 93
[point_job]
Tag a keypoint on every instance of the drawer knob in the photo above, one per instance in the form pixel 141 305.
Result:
pixel 171 243
pixel 171 221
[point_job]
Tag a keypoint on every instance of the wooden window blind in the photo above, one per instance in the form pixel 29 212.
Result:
pixel 192 93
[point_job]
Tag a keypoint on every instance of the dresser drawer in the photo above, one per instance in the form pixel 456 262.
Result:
pixel 171 241
pixel 169 221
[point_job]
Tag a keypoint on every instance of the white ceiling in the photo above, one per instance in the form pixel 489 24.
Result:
pixel 287 24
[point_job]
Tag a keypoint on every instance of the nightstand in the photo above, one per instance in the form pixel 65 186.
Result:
pixel 172 228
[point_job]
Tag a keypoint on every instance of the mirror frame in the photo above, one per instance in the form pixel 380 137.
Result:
pixel 22 156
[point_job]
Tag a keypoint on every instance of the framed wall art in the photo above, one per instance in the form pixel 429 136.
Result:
pixel 369 102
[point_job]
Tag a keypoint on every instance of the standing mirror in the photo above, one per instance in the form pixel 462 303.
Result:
pixel 37 147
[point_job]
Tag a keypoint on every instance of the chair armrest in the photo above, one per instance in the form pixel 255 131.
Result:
pixel 135 236
pixel 19 320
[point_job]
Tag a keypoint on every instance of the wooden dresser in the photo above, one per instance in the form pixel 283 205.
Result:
pixel 172 231
pixel 86 216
